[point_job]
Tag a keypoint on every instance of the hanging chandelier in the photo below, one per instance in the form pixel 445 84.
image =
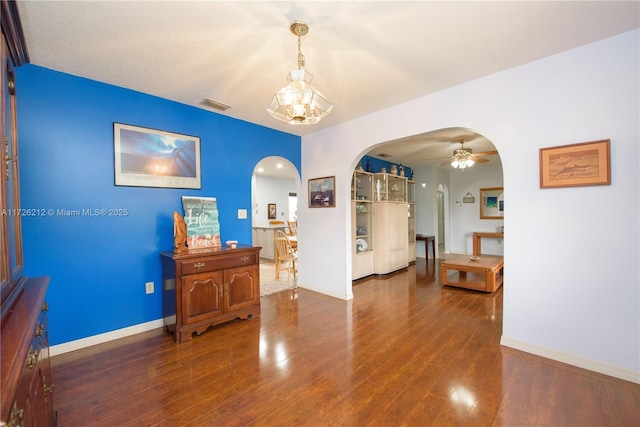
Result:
pixel 462 158
pixel 299 103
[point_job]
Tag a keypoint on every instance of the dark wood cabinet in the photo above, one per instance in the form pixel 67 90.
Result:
pixel 208 288
pixel 27 388
pixel 26 396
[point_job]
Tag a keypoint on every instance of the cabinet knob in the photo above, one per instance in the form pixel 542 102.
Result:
pixel 244 258
pixel 198 265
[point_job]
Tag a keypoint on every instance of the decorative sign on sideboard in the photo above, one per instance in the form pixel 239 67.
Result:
pixel 201 218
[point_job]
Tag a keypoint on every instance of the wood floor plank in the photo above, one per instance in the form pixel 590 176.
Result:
pixel 404 351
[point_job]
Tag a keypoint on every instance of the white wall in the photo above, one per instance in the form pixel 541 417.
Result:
pixel 426 208
pixel 465 217
pixel 268 189
pixel 572 255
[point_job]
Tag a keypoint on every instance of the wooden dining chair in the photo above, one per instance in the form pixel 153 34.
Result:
pixel 286 257
pixel 293 228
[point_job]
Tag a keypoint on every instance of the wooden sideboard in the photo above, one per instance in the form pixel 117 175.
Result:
pixel 208 288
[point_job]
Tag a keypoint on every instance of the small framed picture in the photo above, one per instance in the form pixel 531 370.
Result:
pixel 575 165
pixel 322 192
pixel 271 210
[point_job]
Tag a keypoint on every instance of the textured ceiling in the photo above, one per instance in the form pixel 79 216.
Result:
pixel 365 56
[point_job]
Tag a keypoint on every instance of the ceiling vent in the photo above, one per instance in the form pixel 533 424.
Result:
pixel 215 104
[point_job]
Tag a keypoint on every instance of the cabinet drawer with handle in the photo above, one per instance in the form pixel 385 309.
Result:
pixel 218 263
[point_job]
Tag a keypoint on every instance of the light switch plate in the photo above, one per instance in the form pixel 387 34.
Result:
pixel 242 214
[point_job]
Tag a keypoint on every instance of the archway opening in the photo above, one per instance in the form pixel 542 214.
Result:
pixel 275 185
pixel 439 188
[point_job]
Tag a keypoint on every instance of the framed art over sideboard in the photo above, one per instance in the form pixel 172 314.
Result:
pixel 146 157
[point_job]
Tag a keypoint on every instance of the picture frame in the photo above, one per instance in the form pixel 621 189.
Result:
pixel 322 192
pixel 576 165
pixel 492 203
pixel 145 157
pixel 271 211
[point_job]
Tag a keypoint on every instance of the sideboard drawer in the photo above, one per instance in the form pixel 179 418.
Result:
pixel 219 263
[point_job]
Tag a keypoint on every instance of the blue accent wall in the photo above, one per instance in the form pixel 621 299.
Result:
pixel 376 164
pixel 99 264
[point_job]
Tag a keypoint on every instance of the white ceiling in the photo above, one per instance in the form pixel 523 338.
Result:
pixel 275 167
pixel 365 56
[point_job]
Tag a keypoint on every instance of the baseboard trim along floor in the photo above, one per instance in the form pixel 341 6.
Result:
pixel 592 365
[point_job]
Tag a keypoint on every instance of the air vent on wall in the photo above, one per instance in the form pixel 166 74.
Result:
pixel 215 104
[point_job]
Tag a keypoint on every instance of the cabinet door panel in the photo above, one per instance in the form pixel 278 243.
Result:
pixel 242 287
pixel 202 296
pixel 397 226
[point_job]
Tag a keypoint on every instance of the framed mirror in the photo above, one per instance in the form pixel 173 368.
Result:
pixel 492 203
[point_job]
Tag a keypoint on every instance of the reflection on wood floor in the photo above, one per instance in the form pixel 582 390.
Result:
pixel 404 351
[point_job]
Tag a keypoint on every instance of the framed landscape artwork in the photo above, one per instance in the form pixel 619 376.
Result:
pixel 322 192
pixel 146 157
pixel 576 165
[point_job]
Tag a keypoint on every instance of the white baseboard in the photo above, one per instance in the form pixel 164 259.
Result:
pixel 592 365
pixel 107 336
pixel 342 296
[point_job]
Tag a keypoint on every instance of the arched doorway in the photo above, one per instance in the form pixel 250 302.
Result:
pixel 274 182
pixel 275 185
pixel 440 210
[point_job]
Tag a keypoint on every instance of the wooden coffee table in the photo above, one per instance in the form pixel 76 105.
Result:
pixel 485 273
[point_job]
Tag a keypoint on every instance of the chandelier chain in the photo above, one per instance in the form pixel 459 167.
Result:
pixel 300 55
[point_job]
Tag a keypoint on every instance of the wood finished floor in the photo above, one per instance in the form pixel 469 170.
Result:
pixel 405 352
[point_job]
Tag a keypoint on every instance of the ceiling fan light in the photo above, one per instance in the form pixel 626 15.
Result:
pixel 462 158
pixel 462 152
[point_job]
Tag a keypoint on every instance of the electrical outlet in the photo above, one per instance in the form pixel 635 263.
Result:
pixel 149 287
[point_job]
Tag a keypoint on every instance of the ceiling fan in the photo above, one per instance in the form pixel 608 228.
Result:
pixel 463 158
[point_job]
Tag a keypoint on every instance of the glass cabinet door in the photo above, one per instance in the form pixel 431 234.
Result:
pixel 363 227
pixel 389 188
pixel 411 191
pixel 361 186
pixel 411 207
